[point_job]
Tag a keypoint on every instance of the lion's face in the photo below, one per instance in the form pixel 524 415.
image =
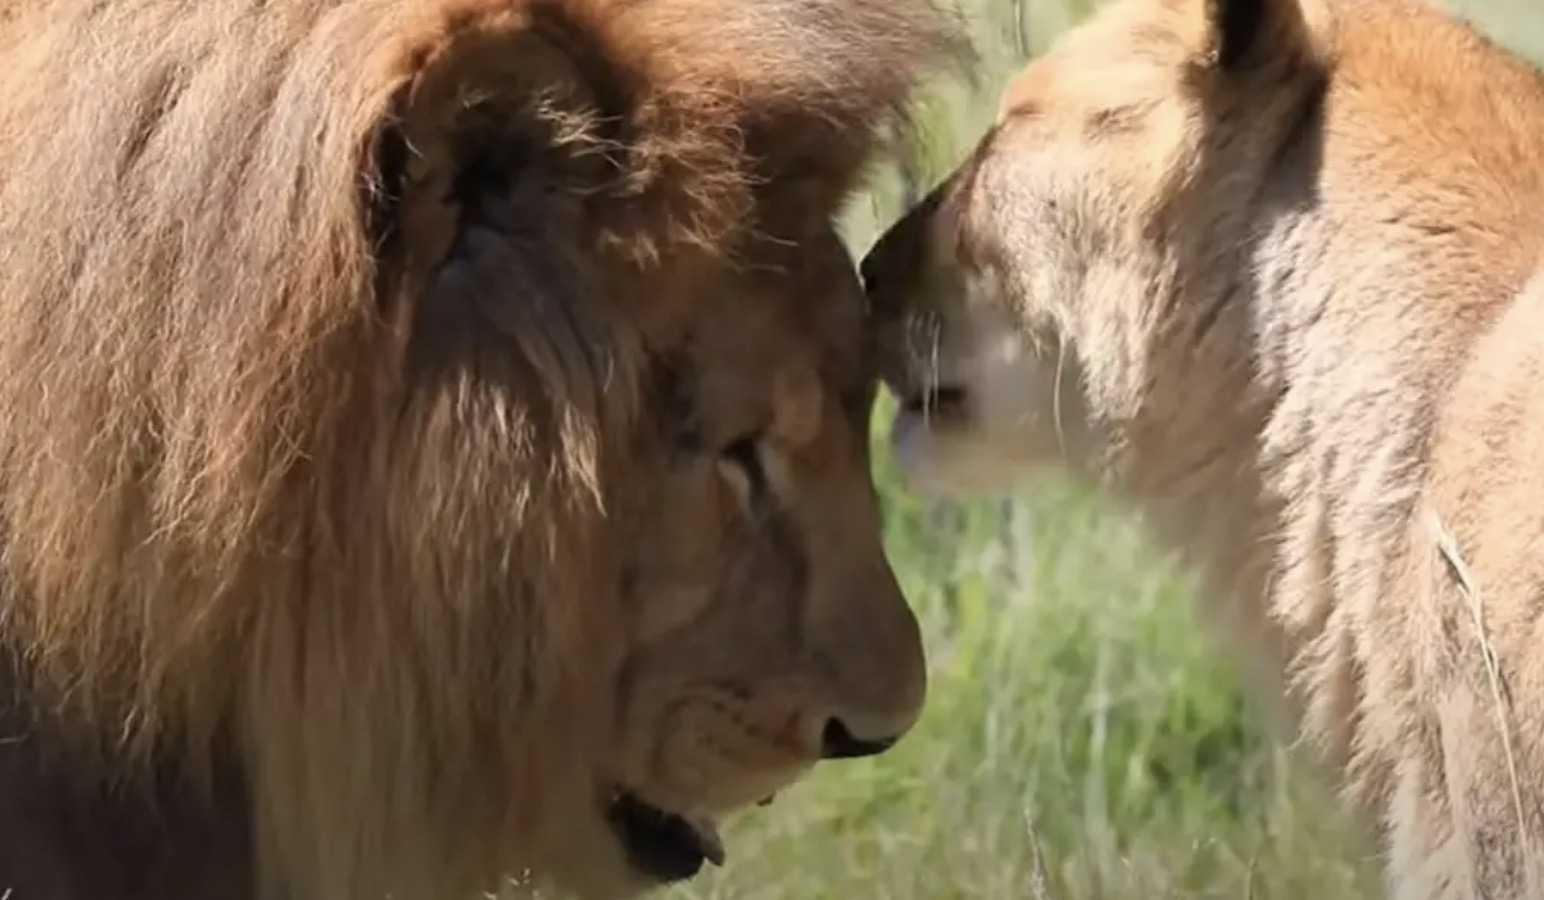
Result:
pixel 741 620
pixel 765 629
pixel 1042 302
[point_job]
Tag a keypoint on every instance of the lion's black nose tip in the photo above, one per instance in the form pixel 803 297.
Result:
pixel 868 272
pixel 836 742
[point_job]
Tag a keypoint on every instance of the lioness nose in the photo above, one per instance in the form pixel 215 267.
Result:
pixel 836 742
pixel 899 251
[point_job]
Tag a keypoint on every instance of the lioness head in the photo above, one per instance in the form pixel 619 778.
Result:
pixel 1050 302
pixel 450 418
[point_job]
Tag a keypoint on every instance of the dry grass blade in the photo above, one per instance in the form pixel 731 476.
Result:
pixel 1021 27
pixel 1447 545
pixel 1039 883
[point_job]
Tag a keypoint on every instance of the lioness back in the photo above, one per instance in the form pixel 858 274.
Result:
pixel 1271 269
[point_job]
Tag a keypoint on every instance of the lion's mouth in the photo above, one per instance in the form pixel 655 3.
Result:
pixel 663 845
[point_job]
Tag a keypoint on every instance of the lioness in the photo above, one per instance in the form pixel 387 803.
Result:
pixel 1271 269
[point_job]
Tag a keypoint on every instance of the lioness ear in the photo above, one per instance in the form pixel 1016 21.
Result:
pixel 1238 33
pixel 1235 25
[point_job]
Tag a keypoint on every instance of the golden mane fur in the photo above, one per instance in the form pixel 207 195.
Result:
pixel 268 509
pixel 1272 270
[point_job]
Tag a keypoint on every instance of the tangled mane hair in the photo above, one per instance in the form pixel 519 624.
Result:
pixel 265 504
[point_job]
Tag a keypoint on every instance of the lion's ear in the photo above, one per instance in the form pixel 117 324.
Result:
pixel 1237 34
pixel 496 116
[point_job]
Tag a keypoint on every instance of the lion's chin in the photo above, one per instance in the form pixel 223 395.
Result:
pixel 662 845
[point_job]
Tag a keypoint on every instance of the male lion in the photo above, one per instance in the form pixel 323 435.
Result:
pixel 1272 269
pixel 434 437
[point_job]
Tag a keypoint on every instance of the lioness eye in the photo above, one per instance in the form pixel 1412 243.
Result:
pixel 740 464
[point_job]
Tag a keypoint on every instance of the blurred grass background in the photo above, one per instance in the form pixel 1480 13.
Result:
pixel 1084 738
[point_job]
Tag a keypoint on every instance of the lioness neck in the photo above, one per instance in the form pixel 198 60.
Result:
pixel 1402 219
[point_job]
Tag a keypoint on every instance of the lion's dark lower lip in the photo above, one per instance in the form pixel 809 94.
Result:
pixel 660 844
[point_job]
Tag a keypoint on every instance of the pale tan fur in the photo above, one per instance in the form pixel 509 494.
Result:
pixel 1271 270
pixel 424 419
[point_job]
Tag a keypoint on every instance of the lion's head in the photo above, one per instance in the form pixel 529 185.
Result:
pixel 1058 299
pixel 450 418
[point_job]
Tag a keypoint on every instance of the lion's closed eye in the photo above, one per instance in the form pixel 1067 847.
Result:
pixel 740 464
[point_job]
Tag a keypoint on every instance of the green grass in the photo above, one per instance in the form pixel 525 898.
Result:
pixel 1084 737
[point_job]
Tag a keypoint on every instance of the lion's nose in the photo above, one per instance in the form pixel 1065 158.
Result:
pixel 837 742
pixel 868 272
